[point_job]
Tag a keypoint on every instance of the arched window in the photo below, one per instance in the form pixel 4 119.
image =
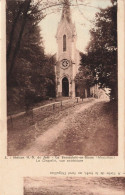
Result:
pixel 64 42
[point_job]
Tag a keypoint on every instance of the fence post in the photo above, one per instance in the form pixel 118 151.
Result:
pixel 53 106
pixel 32 117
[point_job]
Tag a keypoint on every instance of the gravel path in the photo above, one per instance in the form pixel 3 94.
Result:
pixel 69 136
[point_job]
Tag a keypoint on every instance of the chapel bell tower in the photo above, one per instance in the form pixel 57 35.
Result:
pixel 67 55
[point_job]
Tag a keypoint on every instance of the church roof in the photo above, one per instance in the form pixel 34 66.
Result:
pixel 66 20
pixel 66 13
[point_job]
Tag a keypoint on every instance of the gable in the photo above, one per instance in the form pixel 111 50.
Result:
pixel 65 28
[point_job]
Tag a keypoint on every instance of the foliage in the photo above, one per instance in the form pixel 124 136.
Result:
pixel 84 78
pixel 101 57
pixel 30 71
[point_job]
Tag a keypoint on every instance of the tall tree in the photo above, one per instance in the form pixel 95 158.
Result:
pixel 101 55
pixel 19 13
pixel 27 64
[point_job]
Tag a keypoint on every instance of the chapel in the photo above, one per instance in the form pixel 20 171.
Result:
pixel 67 56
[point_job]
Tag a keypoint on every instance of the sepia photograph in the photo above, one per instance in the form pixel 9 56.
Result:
pixel 74 186
pixel 62 83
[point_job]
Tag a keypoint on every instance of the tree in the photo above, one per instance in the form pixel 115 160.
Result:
pixel 27 65
pixel 101 55
pixel 19 13
pixel 84 78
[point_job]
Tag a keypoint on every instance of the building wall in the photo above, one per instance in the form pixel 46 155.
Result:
pixel 99 93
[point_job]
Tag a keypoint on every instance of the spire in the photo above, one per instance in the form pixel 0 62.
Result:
pixel 66 14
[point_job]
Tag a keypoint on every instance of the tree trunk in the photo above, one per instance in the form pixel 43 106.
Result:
pixel 19 39
pixel 12 33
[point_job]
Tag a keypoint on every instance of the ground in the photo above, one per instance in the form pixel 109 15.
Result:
pixel 74 186
pixel 86 129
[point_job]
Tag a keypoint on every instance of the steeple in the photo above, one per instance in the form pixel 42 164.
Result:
pixel 66 14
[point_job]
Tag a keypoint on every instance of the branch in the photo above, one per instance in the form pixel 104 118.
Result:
pixel 82 12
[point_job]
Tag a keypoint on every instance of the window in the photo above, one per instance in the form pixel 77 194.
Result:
pixel 64 42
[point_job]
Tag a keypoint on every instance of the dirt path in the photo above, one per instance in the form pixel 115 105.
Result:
pixel 43 142
pixel 91 132
pixel 87 129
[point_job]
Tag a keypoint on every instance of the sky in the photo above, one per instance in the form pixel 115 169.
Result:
pixel 81 16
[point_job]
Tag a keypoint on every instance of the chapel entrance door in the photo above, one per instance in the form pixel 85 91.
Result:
pixel 65 87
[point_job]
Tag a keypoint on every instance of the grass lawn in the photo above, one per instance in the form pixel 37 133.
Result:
pixel 14 109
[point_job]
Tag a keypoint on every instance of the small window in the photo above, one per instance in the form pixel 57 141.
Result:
pixel 64 42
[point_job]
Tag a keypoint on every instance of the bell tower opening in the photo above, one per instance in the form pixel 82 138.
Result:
pixel 65 87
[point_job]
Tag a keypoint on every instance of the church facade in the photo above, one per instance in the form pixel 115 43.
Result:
pixel 67 56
